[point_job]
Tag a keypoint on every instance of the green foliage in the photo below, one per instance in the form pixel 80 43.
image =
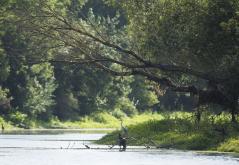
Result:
pixel 200 35
pixel 107 120
pixel 97 120
pixel 67 104
pixel 7 125
pixel 103 117
pixel 184 31
pixel 18 118
pixel 4 66
pixel 118 113
pixel 3 94
pixel 143 97
pixel 126 106
pixel 230 145
pixel 39 90
pixel 181 132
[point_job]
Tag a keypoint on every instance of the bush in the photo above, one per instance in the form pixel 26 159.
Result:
pixel 2 120
pixel 179 131
pixel 126 106
pixel 103 117
pixel 6 124
pixel 231 145
pixel 18 118
pixel 118 113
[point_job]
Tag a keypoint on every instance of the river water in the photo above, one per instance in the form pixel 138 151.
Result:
pixel 67 147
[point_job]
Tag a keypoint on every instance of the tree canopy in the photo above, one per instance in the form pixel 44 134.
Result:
pixel 186 46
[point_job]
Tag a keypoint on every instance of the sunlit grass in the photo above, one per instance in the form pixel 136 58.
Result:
pixel 106 120
pixel 168 130
pixel 179 130
pixel 230 145
pixel 7 125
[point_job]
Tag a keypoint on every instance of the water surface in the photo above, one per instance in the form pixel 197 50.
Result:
pixel 66 147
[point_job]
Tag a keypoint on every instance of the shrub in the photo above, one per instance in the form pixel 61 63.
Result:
pixel 103 117
pixel 127 106
pixel 18 118
pixel 231 145
pixel 118 113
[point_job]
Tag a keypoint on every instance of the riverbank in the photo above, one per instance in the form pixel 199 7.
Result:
pixel 181 132
pixel 96 120
pixel 166 130
pixel 68 147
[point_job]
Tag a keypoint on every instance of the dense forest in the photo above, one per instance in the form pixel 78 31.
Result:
pixel 69 58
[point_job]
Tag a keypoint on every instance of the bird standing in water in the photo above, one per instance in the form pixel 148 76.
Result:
pixel 124 130
pixel 123 136
pixel 3 128
pixel 122 142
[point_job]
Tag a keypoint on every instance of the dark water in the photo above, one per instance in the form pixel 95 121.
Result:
pixel 66 147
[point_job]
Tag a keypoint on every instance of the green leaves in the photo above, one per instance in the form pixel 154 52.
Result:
pixel 4 66
pixel 39 90
pixel 3 95
pixel 142 96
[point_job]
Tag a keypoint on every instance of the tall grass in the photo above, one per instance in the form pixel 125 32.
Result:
pixel 230 145
pixel 106 120
pixel 7 125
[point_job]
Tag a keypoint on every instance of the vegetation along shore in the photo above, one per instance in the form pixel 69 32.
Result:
pixel 180 131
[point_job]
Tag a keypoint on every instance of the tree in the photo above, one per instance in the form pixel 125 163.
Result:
pixel 4 73
pixel 39 92
pixel 143 94
pixel 5 97
pixel 164 41
pixel 83 90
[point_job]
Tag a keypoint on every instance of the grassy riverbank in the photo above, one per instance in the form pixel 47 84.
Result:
pixel 167 130
pixel 180 131
pixel 7 124
pixel 96 120
pixel 106 120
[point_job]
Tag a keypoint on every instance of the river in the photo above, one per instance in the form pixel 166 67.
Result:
pixel 67 147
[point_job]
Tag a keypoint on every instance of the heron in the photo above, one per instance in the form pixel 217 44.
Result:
pixel 3 127
pixel 122 142
pixel 123 128
pixel 147 146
